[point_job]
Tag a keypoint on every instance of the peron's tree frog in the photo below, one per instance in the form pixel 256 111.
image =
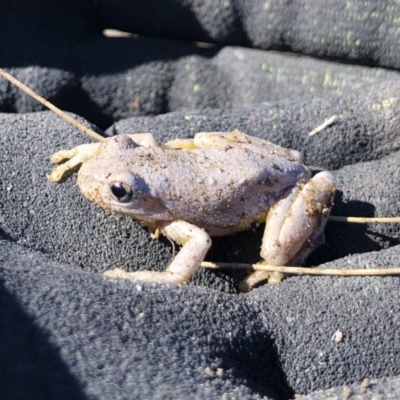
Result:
pixel 215 184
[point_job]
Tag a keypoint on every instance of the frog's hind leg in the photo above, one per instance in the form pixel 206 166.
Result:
pixel 295 225
pixel 144 139
pixel 179 144
pixel 205 140
pixel 239 140
pixel 195 244
pixel 220 140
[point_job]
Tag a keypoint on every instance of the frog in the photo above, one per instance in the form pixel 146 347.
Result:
pixel 214 184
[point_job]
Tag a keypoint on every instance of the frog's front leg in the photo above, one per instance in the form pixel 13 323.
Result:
pixel 71 159
pixel 195 244
pixel 74 158
pixel 295 225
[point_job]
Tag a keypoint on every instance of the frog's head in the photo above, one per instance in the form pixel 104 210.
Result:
pixel 111 181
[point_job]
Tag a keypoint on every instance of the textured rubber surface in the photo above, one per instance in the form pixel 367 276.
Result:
pixel 66 331
pixel 368 389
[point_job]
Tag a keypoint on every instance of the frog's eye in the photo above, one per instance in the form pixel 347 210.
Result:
pixel 126 187
pixel 121 191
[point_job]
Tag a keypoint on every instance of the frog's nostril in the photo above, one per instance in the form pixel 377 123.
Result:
pixel 121 191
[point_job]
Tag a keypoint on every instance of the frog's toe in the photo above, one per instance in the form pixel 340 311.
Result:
pixel 118 273
pixel 253 279
pixel 259 277
pixel 62 171
pixel 63 155
pixel 73 158
pixel 146 276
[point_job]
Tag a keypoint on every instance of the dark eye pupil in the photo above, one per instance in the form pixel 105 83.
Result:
pixel 121 191
pixel 118 190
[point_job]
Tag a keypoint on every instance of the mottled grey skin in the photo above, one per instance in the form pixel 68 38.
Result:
pixel 215 184
pixel 221 190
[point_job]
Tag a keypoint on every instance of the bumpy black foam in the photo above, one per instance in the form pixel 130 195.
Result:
pixel 66 331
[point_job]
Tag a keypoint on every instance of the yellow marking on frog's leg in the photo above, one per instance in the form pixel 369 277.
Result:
pixel 75 157
pixel 179 144
pixel 212 140
pixel 222 140
pixel 195 244
pixel 154 233
pixel 208 140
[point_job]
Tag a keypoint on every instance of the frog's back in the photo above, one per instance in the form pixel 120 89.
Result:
pixel 223 191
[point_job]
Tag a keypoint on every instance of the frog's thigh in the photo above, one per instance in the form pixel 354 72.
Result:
pixel 144 139
pixel 295 226
pixel 296 219
pixel 196 243
pixel 76 156
pixel 220 140
pixel 176 144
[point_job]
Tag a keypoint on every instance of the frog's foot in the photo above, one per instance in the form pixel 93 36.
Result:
pixel 296 224
pixel 72 159
pixel 144 276
pixel 117 273
pixel 258 277
pixel 195 244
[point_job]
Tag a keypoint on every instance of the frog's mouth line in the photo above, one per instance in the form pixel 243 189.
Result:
pixel 95 196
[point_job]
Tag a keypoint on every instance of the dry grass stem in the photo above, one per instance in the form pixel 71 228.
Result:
pixel 303 270
pixel 93 134
pixel 52 107
pixel 365 220
pixel 330 121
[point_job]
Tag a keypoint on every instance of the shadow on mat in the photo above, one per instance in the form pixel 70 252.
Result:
pixel 30 366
